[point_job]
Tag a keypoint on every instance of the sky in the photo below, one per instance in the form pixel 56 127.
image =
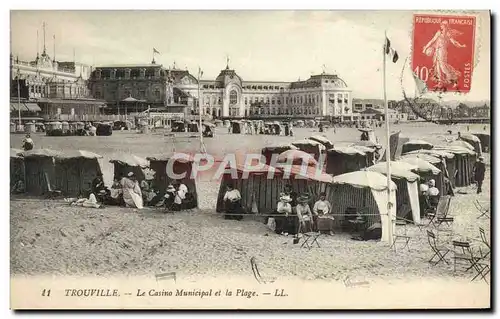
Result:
pixel 261 45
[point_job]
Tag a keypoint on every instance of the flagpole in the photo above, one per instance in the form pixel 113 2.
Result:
pixel 199 106
pixel 388 148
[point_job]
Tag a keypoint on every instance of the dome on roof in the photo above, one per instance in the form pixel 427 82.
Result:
pixel 225 76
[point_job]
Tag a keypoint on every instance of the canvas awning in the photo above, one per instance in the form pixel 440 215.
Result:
pixel 33 107
pixel 363 179
pixel 130 160
pixel 398 170
pixel 18 106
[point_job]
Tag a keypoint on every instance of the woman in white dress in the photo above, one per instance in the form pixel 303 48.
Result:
pixel 132 195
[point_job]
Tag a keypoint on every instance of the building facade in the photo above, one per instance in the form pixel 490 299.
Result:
pixel 228 95
pixel 60 89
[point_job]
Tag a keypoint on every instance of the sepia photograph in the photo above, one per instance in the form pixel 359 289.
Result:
pixel 250 159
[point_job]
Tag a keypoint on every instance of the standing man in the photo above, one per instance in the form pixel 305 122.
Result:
pixel 479 170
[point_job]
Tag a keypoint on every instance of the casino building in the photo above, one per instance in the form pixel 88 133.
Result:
pixel 228 95
pixel 51 89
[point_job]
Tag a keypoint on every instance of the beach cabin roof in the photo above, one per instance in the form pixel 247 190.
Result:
pixel 426 157
pixel 422 165
pixel 470 137
pixel 41 152
pixel 398 170
pixel 364 179
pixel 130 160
pixel 179 157
pixel 456 149
pixel 370 144
pixel 293 155
pixel 322 139
pixel 434 152
pixel 309 142
pixel 419 142
pixel 461 143
pixel 78 154
pixel 282 147
pixel 349 150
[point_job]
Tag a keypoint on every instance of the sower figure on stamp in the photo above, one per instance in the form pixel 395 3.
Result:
pixel 442 72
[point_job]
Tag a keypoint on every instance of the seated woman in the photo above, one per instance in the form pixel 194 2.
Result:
pixel 132 195
pixel 169 198
pixel 116 194
pixel 433 193
pixel 148 193
pixel 99 189
pixel 232 203
pixel 285 209
pixel 304 214
pixel 321 211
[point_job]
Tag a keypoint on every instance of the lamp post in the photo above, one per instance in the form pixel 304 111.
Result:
pixel 19 99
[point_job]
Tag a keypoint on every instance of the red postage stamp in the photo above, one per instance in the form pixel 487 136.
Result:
pixel 443 51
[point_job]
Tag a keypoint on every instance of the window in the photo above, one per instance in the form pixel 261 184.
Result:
pixel 273 101
pixel 369 105
pixel 233 97
pixel 279 101
pixel 219 101
pixel 246 101
pixel 157 93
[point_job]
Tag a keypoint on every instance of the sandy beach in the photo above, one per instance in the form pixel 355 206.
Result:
pixel 50 237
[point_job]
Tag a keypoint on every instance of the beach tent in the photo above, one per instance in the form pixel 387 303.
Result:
pixel 447 162
pixel 427 169
pixel 259 193
pixel 485 141
pixel 472 140
pixel 40 170
pixel 323 140
pixel 464 164
pixel 370 132
pixel 176 165
pixel 75 171
pixel 299 123
pixel 269 151
pixel 364 190
pixel 193 127
pixel 65 127
pixel 296 157
pixel 30 127
pixel 178 126
pixel 310 147
pixel 345 159
pixel 125 162
pixel 104 129
pixel 407 187
pixel 237 127
pixel 461 143
pixel 413 145
pixel 369 144
pixel 16 166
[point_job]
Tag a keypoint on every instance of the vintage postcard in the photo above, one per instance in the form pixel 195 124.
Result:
pixel 250 159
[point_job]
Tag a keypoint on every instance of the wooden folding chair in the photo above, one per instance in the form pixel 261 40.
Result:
pixel 401 237
pixel 441 211
pixel 463 251
pixel 485 241
pixel 482 270
pixel 439 251
pixel 484 212
pixel 310 238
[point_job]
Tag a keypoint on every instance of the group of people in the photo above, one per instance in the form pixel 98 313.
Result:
pixel 127 191
pixel 294 215
pixel 428 197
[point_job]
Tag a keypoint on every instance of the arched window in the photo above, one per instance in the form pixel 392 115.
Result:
pixel 233 97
